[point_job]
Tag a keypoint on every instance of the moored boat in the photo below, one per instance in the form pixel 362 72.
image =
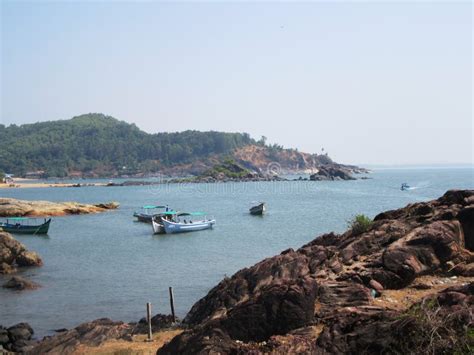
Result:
pixel 258 210
pixel 157 221
pixel 25 225
pixel 147 213
pixel 181 225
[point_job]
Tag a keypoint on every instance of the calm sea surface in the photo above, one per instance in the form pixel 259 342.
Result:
pixel 107 265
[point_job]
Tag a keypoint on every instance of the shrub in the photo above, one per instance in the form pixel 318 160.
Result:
pixel 360 224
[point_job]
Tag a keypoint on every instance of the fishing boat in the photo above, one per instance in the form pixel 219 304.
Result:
pixel 25 225
pixel 147 213
pixel 179 224
pixel 258 210
pixel 404 186
pixel 157 221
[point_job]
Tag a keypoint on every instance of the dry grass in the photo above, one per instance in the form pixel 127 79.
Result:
pixel 402 299
pixel 139 345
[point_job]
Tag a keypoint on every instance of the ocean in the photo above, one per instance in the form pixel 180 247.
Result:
pixel 108 265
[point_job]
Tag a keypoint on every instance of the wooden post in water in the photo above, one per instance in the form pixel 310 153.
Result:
pixel 148 319
pixel 172 304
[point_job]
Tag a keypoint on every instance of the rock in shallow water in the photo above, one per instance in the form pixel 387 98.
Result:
pixel 20 283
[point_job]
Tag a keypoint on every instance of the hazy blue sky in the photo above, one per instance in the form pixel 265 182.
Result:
pixel 371 82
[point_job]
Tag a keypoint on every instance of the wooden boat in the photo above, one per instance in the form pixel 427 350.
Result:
pixel 157 221
pixel 23 225
pixel 179 225
pixel 158 227
pixel 258 210
pixel 147 213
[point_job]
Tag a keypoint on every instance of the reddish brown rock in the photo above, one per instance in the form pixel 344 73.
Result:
pixel 330 281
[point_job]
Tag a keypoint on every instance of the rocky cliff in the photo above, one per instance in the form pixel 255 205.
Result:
pixel 405 285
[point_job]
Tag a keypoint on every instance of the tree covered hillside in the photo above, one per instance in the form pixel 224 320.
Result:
pixel 103 145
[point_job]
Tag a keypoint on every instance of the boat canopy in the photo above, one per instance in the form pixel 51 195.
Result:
pixel 148 207
pixel 18 218
pixel 170 212
pixel 191 214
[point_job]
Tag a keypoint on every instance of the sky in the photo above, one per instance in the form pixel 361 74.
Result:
pixel 371 82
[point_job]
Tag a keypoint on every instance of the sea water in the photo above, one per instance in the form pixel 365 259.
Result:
pixel 108 265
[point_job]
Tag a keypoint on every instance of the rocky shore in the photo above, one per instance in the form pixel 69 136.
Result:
pixel 10 207
pixel 14 255
pixel 90 337
pixel 404 285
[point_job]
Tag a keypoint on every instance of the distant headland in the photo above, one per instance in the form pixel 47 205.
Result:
pixel 99 146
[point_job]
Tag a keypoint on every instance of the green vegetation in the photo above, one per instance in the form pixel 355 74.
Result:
pixel 103 145
pixel 2 176
pixel 360 224
pixel 229 169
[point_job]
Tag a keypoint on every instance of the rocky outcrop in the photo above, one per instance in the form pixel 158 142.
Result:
pixel 14 254
pixel 97 332
pixel 92 334
pixel 334 294
pixel 17 338
pixel 10 207
pixel 332 172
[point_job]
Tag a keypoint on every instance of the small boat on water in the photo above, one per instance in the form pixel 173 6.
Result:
pixel 25 225
pixel 178 224
pixel 405 186
pixel 258 210
pixel 146 213
pixel 157 221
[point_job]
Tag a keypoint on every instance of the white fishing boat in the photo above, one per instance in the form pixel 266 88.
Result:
pixel 157 221
pixel 182 225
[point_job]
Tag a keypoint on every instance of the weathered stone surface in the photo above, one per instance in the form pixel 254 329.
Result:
pixel 29 258
pixel 13 253
pixel 92 334
pixel 332 172
pixel 332 281
pixel 17 338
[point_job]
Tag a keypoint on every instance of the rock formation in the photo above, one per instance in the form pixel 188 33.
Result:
pixel 17 338
pixel 13 254
pixel 404 285
pixel 97 332
pixel 10 207
pixel 332 172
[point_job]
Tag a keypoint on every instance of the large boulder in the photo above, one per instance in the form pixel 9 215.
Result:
pixel 13 254
pixel 331 172
pixel 29 258
pixel 17 338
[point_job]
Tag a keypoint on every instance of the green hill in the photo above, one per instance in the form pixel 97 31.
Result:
pixel 100 145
